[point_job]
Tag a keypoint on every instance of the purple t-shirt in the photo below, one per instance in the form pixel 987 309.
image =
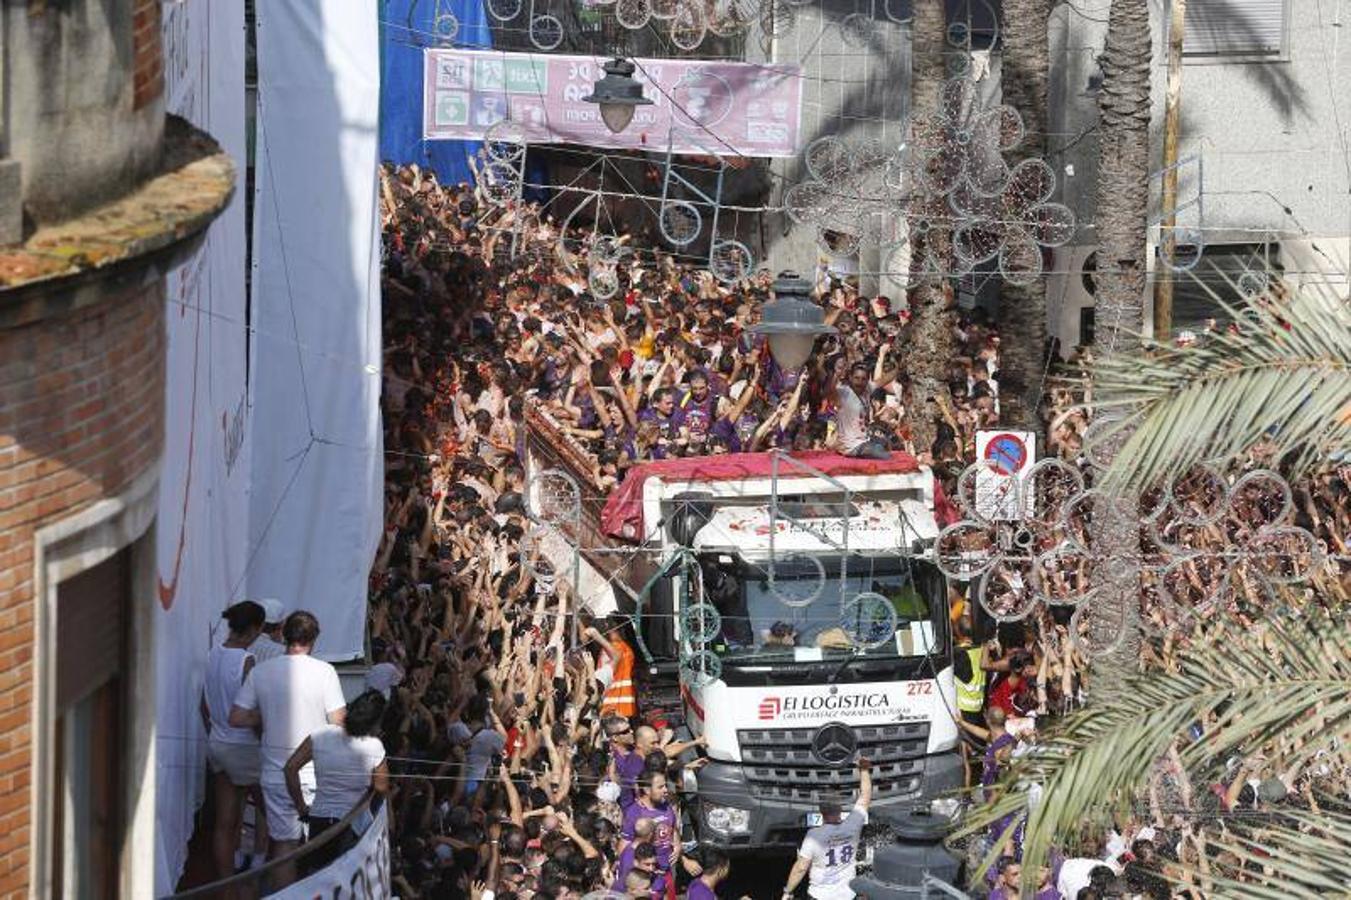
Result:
pixel 663 833
pixel 622 867
pixel 700 891
pixel 708 406
pixel 628 766
pixel 990 772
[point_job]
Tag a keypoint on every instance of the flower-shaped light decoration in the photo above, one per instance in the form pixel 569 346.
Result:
pixel 1201 544
pixel 854 190
pixel 998 212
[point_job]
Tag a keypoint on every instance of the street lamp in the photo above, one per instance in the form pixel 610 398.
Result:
pixel 791 322
pixel 617 94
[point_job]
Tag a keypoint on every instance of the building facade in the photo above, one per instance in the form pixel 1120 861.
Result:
pixel 102 196
pixel 1264 171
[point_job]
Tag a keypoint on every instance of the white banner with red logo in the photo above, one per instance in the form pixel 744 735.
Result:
pixel 203 520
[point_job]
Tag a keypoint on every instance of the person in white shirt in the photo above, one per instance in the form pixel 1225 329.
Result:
pixel 348 759
pixel 289 697
pixel 853 408
pixel 266 645
pixel 232 753
pixel 829 852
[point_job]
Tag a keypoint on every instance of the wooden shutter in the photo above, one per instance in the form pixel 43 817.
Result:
pixel 1234 28
pixel 91 610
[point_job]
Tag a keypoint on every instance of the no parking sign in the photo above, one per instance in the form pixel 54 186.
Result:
pixel 1007 457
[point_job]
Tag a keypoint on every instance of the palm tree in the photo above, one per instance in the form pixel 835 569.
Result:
pixel 1123 197
pixel 932 343
pixel 1280 692
pixel 1283 379
pixel 1022 308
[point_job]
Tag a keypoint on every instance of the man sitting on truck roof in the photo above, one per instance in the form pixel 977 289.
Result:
pixel 829 851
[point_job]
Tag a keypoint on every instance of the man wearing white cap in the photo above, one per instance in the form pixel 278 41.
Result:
pixel 267 646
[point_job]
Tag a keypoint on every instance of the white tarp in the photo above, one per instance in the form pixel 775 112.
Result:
pixel 361 873
pixel 317 476
pixel 202 529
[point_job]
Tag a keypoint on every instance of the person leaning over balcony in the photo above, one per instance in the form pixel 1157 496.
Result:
pixel 289 698
pixel 231 752
pixel 347 759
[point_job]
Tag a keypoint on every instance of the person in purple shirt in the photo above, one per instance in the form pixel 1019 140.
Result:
pixel 664 412
pixel 716 867
pixel 626 761
pixel 652 803
pixel 638 855
pixel 1010 871
pixel 699 398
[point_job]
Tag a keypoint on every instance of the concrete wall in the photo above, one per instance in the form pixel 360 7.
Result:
pixel 854 88
pixel 84 105
pixel 1274 165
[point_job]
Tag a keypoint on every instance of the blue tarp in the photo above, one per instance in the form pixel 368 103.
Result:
pixel 406 28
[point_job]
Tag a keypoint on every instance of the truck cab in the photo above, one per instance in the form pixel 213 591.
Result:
pixel 832 642
pixel 830 639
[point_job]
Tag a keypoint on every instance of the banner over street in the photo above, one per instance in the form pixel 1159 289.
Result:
pixel 722 108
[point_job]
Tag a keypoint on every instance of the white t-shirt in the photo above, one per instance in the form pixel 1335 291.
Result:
pixel 851 417
pixel 224 678
pixel 294 694
pixel 833 850
pixel 342 769
pixel 1074 876
pixel 384 676
pixel 485 743
pixel 264 648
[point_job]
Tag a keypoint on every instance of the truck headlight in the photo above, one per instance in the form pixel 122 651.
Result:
pixel 727 819
pixel 944 807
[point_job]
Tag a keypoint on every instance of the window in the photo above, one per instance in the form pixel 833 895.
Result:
pixel 1235 28
pixel 1229 270
pixel 89 762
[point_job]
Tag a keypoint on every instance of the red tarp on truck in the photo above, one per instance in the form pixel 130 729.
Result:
pixel 622 517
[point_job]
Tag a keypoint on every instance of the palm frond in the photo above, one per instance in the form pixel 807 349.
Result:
pixel 1285 682
pixel 1284 377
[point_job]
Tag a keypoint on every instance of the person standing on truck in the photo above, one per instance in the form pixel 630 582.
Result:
pixel 829 852
pixel 852 394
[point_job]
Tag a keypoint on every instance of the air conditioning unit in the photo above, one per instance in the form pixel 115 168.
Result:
pixel 1069 295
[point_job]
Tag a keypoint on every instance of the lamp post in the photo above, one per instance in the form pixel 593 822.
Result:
pixel 618 94
pixel 792 322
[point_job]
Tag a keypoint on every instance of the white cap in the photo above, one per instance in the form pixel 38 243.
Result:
pixel 273 609
pixel 607 791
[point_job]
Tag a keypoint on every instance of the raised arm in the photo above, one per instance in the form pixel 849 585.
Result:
pixel 865 782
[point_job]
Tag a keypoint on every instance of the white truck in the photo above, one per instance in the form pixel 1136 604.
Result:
pixel 831 638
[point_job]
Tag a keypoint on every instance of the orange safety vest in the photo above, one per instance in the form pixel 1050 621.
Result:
pixel 620 699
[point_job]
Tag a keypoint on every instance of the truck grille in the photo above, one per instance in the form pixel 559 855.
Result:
pixel 779 763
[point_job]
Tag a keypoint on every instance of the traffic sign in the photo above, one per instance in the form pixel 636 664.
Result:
pixel 1006 453
pixel 1008 457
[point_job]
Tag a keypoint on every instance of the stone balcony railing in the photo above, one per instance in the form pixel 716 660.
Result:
pixel 141 234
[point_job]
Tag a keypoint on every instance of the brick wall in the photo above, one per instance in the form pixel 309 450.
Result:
pixel 147 53
pixel 81 407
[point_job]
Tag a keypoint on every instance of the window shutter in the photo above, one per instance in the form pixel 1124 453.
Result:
pixel 1234 28
pixel 90 628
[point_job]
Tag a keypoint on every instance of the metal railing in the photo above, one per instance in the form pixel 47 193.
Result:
pixel 256 882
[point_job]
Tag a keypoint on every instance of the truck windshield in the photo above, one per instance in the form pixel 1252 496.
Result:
pixel 761 627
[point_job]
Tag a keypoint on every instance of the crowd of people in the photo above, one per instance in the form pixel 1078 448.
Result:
pixel 510 744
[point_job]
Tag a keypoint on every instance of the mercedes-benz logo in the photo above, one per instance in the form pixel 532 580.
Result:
pixel 835 744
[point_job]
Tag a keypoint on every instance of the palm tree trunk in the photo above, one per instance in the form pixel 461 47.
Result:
pixel 932 340
pixel 1022 308
pixel 1123 198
